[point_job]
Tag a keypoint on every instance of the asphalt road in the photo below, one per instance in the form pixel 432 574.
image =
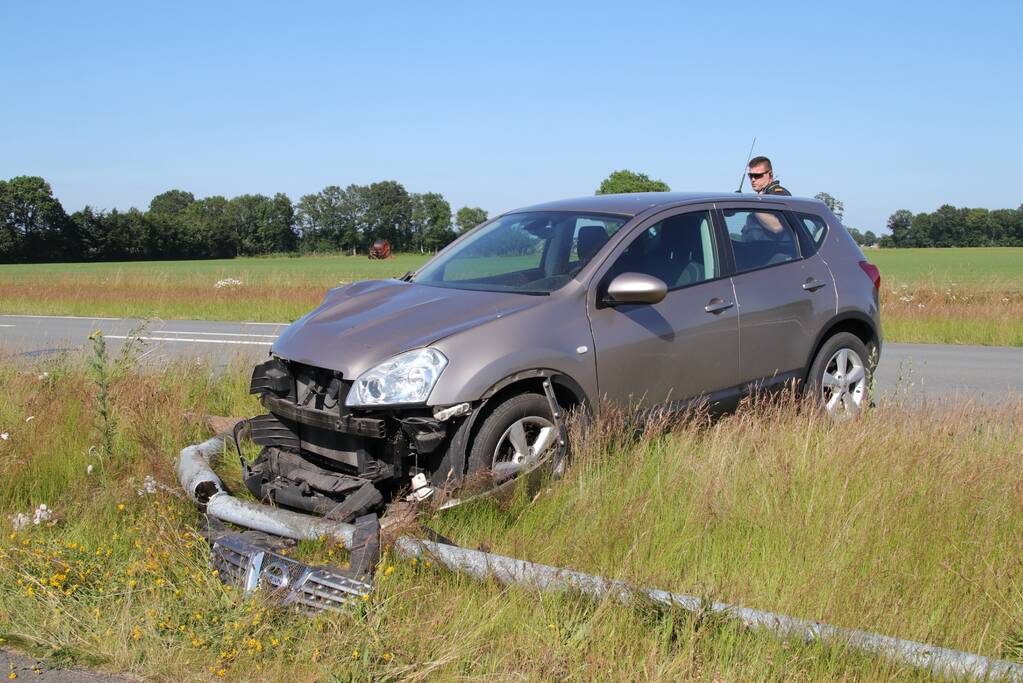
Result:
pixel 934 371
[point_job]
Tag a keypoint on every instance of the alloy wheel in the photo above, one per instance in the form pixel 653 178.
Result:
pixel 844 384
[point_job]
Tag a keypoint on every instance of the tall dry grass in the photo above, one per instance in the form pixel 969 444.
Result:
pixel 904 522
pixel 928 313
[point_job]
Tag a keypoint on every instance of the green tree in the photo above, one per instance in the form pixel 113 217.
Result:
pixel 835 206
pixel 169 235
pixel 856 235
pixel 625 181
pixel 33 224
pixel 333 218
pixel 900 225
pixel 263 225
pixel 869 238
pixel 468 217
pixel 123 236
pixel 211 222
pixel 431 221
pixel 389 214
pixel 171 202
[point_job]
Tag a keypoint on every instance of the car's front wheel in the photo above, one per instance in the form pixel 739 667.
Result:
pixel 839 379
pixel 517 435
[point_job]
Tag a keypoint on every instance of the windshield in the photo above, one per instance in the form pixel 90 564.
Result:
pixel 530 253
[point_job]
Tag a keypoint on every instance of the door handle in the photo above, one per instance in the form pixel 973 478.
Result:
pixel 717 305
pixel 813 285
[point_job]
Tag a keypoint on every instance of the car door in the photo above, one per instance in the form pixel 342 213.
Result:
pixel 685 346
pixel 784 299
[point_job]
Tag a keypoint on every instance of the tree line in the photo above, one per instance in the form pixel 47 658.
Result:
pixel 34 227
pixel 952 226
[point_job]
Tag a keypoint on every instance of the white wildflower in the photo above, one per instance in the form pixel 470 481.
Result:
pixel 920 306
pixel 4 436
pixel 42 514
pixel 88 470
pixel 30 418
pixel 20 521
pixel 228 282
pixel 43 376
pixel 149 486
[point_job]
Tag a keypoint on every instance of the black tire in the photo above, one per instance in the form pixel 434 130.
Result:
pixel 494 426
pixel 852 397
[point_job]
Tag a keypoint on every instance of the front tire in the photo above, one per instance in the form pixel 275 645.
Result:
pixel 514 436
pixel 840 376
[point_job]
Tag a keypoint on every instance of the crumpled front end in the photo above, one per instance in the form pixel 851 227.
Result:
pixel 323 457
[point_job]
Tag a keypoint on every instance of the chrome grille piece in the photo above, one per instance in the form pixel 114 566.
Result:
pixel 311 589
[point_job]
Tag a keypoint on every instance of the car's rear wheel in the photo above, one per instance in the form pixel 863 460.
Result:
pixel 514 437
pixel 839 379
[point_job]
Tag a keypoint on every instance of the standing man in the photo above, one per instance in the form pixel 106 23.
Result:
pixel 761 177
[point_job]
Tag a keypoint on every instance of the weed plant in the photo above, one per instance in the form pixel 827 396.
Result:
pixel 906 522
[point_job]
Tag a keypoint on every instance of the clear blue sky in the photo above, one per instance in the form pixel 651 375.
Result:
pixel 884 105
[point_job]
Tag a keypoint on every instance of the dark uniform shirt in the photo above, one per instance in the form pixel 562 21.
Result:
pixel 776 188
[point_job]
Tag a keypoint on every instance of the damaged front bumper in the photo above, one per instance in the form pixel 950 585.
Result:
pixel 322 457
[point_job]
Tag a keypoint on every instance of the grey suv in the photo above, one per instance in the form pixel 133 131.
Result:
pixel 468 365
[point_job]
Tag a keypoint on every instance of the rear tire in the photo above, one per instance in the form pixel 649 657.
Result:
pixel 840 377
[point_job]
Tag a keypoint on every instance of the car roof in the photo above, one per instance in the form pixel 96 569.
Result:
pixel 636 203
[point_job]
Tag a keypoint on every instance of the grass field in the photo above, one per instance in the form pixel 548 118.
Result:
pixel 953 296
pixel 910 528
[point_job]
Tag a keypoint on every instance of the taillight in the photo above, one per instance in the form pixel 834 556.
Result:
pixel 872 272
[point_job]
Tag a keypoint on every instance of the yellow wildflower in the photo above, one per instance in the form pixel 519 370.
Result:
pixel 120 507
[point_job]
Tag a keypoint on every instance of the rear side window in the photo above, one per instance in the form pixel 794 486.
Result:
pixel 760 238
pixel 815 226
pixel 678 250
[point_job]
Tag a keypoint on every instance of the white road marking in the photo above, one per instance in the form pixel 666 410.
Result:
pixel 198 341
pixel 6 325
pixel 63 317
pixel 215 334
pixel 99 317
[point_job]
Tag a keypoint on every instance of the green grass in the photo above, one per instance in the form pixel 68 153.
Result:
pixel 982 268
pixel 906 523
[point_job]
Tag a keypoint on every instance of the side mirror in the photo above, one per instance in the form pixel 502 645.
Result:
pixel 635 288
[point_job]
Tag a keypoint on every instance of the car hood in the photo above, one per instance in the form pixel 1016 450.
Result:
pixel 362 324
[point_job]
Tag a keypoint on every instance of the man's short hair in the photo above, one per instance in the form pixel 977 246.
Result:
pixel 756 161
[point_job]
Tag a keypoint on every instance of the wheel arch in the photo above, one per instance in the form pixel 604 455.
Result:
pixel 567 391
pixel 855 323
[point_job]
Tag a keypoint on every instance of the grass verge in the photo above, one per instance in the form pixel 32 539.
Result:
pixel 906 523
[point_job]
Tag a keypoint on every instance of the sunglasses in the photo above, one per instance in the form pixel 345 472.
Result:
pixel 757 176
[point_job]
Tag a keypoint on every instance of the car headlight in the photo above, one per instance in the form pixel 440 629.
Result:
pixel 407 378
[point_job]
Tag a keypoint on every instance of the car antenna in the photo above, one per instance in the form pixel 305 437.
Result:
pixel 742 178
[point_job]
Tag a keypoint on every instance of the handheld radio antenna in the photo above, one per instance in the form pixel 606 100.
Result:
pixel 749 156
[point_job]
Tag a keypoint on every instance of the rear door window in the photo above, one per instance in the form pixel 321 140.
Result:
pixel 760 238
pixel 815 227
